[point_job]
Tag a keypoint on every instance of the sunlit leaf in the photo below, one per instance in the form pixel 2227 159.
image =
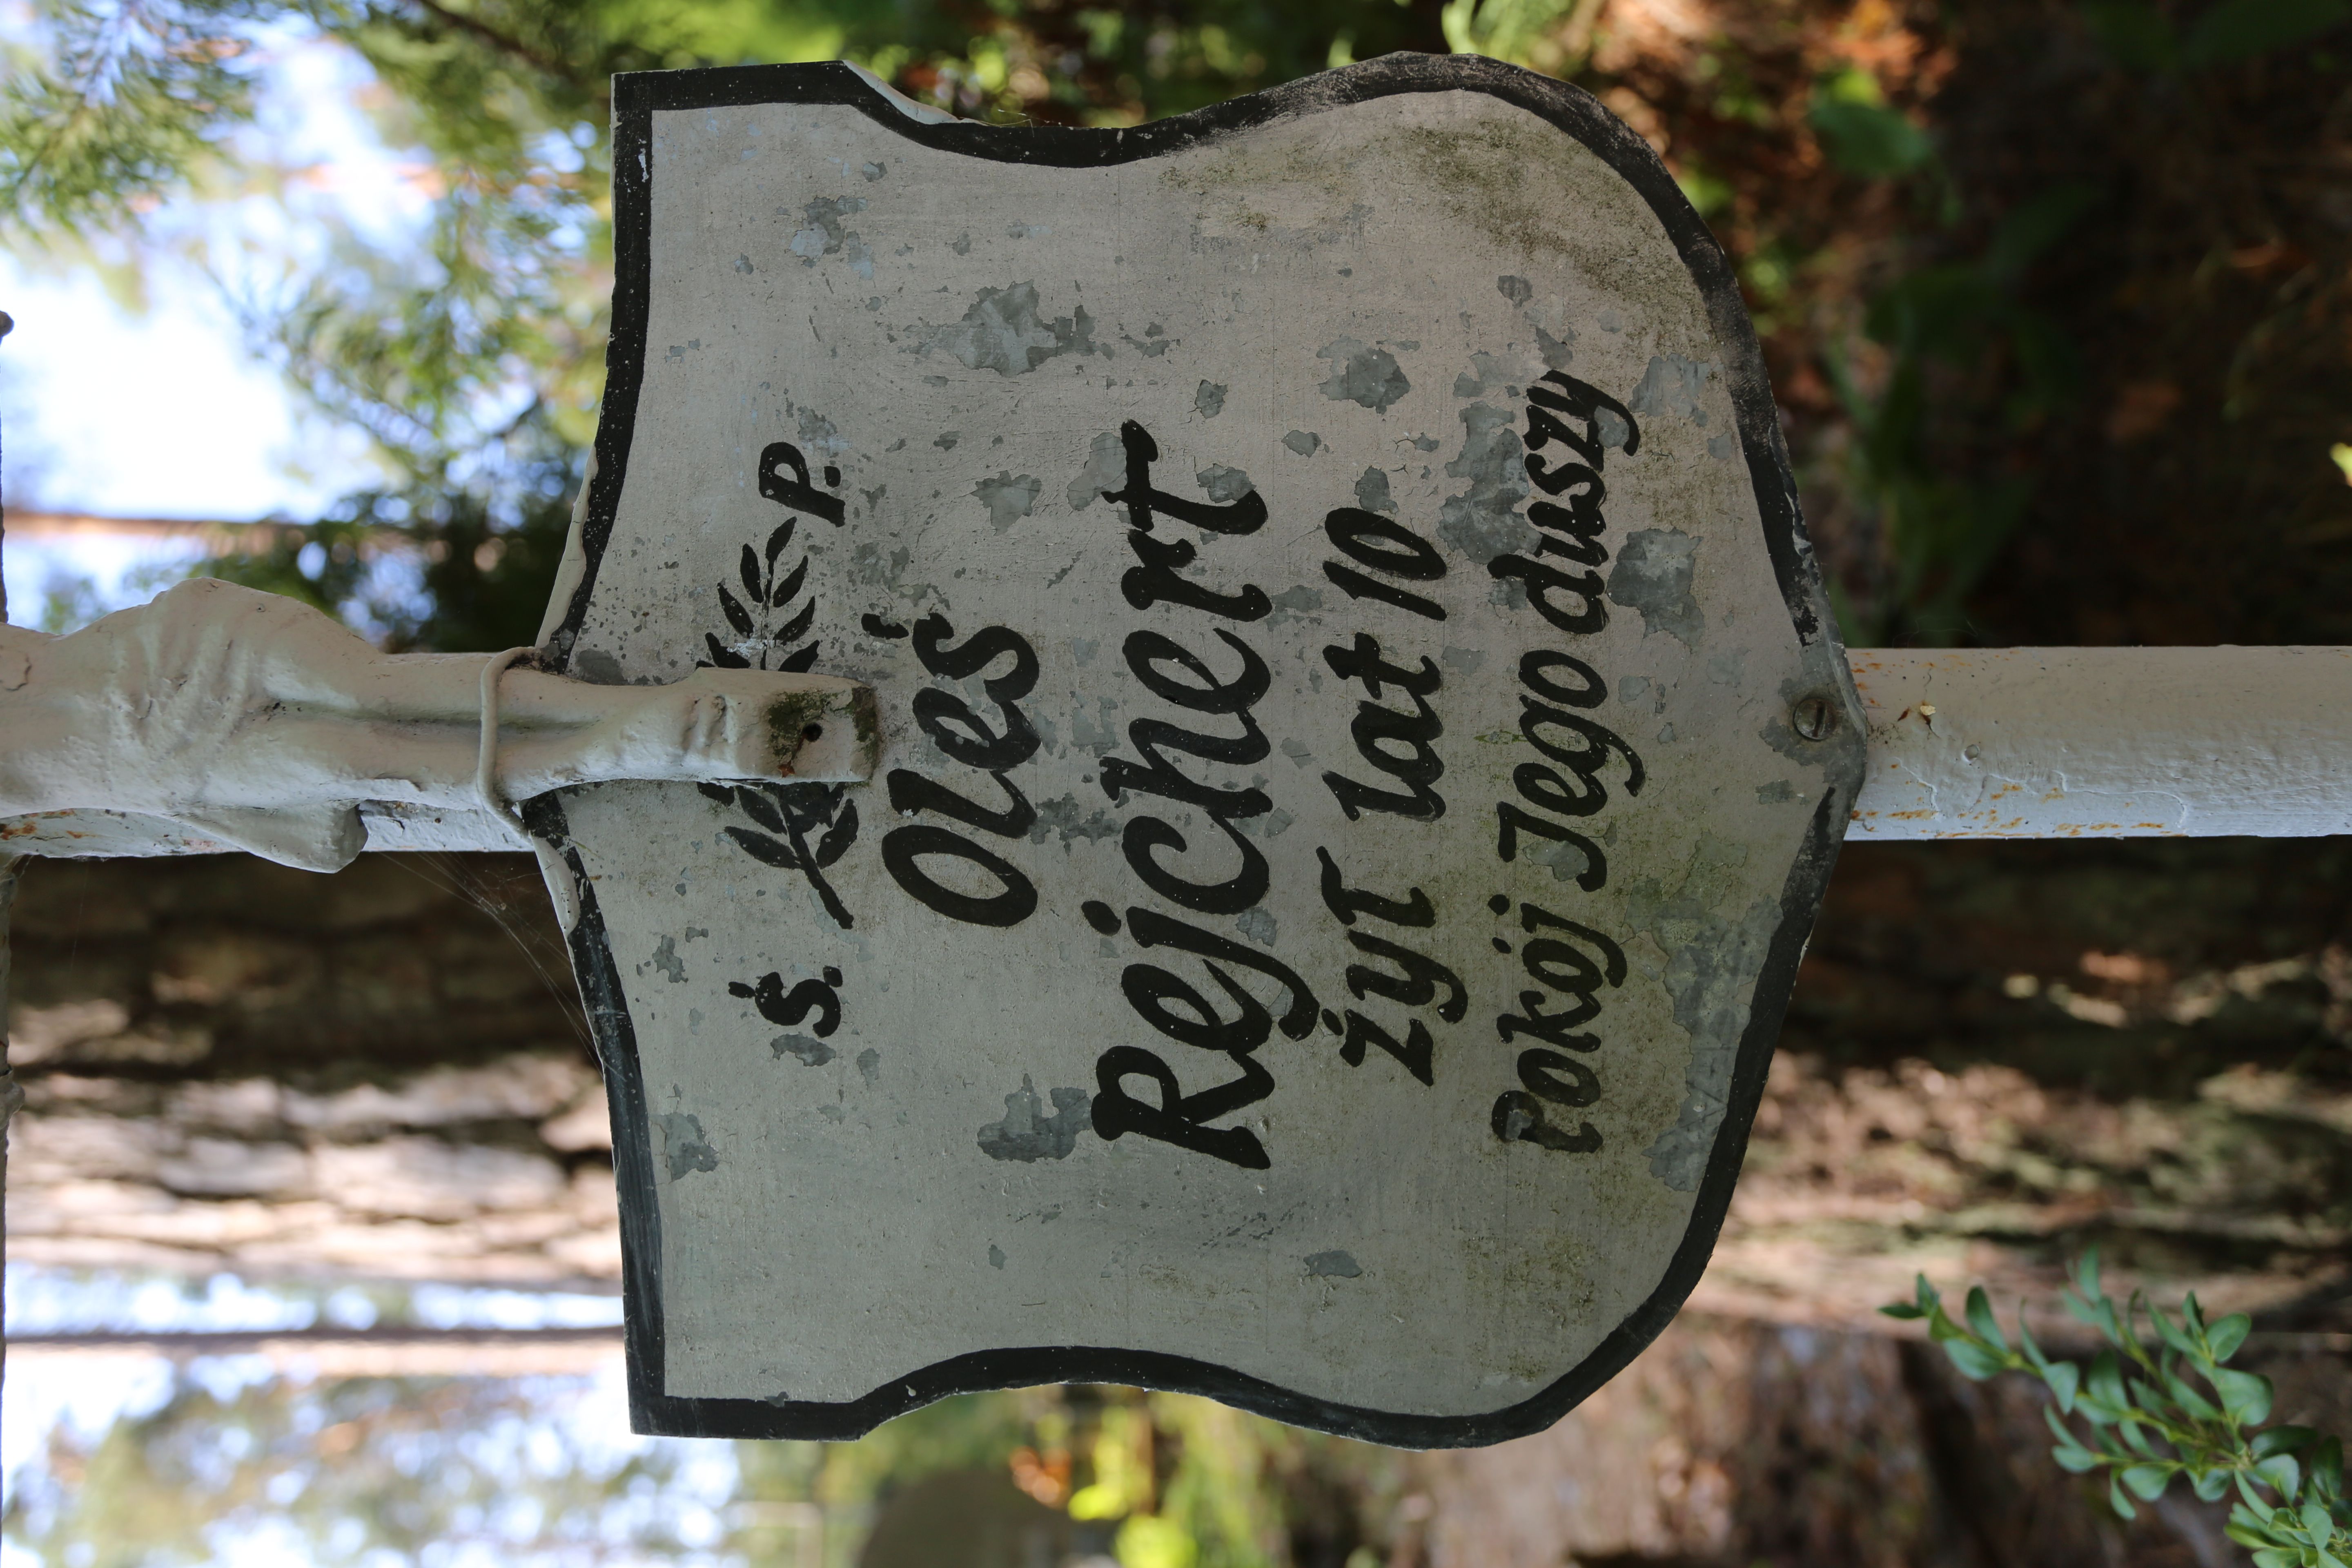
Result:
pixel 2281 1474
pixel 2245 1395
pixel 1972 1359
pixel 2062 1377
pixel 1981 1318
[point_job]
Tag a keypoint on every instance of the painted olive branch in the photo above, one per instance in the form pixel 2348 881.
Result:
pixel 2149 1424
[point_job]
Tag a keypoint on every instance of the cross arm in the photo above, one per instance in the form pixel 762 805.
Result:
pixel 2105 742
pixel 1966 743
pixel 218 717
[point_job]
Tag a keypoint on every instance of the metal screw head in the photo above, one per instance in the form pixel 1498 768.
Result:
pixel 1814 718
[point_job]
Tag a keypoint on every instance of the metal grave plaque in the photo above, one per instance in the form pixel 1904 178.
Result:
pixel 1359 746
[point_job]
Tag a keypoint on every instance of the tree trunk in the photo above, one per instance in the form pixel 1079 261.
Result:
pixel 380 1074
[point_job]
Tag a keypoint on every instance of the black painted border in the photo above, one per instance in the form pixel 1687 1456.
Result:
pixel 637 97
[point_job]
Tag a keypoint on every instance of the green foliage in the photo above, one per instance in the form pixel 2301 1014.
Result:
pixel 2142 37
pixel 128 99
pixel 1165 1480
pixel 2172 1409
pixel 487 536
pixel 1537 33
pixel 1944 525
pixel 1860 132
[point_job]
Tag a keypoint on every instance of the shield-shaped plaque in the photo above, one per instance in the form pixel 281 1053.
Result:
pixel 1360 749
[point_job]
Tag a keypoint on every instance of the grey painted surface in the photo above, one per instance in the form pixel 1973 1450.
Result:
pixel 2105 742
pixel 1345 308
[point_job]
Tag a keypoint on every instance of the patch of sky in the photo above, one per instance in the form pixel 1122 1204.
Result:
pixel 544 1468
pixel 132 386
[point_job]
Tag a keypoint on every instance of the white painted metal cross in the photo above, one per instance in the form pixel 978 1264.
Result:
pixel 1329 746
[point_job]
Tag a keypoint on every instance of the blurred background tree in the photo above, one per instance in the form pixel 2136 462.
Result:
pixel 2054 293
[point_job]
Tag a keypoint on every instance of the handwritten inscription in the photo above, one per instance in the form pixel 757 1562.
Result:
pixel 963 736
pixel 1169 1002
pixel 1554 686
pixel 954 847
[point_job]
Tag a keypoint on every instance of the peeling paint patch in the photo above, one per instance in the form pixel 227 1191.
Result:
pixel 1257 923
pixel 1334 1265
pixel 817 433
pixel 823 234
pixel 1106 469
pixel 1518 290
pixel 1362 374
pixel 1007 499
pixel 813 1052
pixel 1672 386
pixel 1372 492
pixel 1711 977
pixel 1060 816
pixel 684 1148
pixel 995 1256
pixel 1653 575
pixel 1778 793
pixel 598 667
pixel 1306 443
pixel 1225 484
pixel 1485 378
pixel 1026 1133
pixel 1482 521
pixel 1466 659
pixel 1002 331
pixel 869 1065
pixel 1154 343
pixel 666 959
pixel 1209 401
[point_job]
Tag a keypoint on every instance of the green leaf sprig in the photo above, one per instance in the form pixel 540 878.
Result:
pixel 2164 1410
